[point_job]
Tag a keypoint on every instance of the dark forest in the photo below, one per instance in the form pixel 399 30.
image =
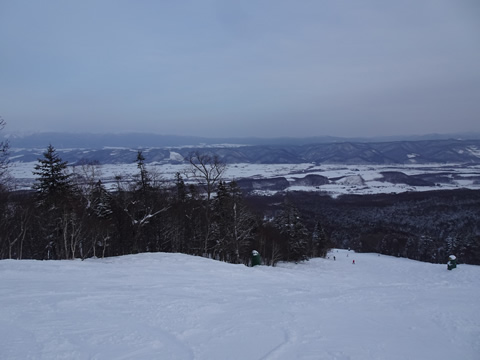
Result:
pixel 70 214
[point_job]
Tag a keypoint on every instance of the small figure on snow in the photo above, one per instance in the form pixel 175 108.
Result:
pixel 353 262
pixel 334 258
pixel 256 259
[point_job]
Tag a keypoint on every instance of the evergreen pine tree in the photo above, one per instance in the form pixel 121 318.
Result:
pixel 319 246
pixel 143 177
pixel 53 182
pixel 59 222
pixel 289 224
pixel 101 201
pixel 101 213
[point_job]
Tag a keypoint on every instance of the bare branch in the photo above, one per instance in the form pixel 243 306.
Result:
pixel 207 169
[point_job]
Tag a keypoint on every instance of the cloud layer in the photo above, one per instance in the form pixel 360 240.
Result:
pixel 228 68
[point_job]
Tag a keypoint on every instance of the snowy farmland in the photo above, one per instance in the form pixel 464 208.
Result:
pixel 173 306
pixel 343 179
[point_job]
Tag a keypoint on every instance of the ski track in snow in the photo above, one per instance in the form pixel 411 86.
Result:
pixel 174 306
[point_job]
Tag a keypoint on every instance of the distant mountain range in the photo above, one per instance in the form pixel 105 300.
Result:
pixel 116 148
pixel 144 140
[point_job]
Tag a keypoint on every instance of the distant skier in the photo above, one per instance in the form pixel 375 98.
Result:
pixel 353 262
pixel 334 258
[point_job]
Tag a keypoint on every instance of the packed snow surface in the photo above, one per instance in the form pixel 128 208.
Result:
pixel 174 306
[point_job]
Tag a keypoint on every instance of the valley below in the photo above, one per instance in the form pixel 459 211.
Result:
pixel 269 179
pixel 333 168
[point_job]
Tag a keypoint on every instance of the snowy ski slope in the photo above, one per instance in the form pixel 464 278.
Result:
pixel 174 306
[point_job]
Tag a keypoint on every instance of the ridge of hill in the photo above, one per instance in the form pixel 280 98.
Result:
pixel 392 152
pixel 148 140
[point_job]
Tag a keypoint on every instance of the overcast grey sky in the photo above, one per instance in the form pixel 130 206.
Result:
pixel 241 68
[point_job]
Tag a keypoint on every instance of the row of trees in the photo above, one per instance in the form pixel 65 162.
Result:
pixel 71 214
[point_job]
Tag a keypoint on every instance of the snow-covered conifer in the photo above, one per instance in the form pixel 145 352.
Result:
pixel 53 181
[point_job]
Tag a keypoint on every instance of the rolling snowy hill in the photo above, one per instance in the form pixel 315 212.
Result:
pixel 381 153
pixel 172 306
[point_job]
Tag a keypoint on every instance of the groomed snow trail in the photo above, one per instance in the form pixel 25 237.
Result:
pixel 174 306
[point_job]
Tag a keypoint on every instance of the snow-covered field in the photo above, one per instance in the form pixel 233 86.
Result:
pixel 344 179
pixel 173 306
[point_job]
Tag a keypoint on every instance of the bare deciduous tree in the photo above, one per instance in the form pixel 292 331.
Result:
pixel 208 171
pixel 86 175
